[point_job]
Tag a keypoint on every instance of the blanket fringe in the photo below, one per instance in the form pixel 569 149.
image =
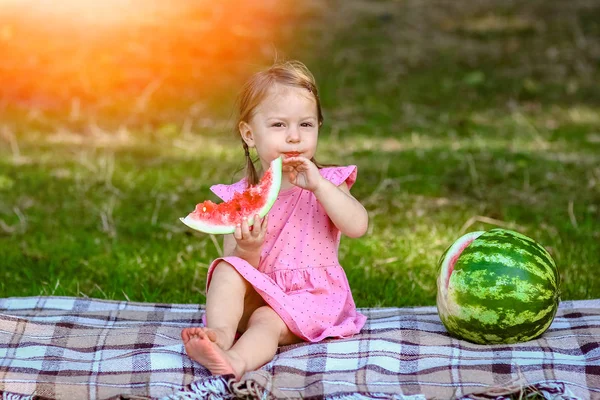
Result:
pixel 14 396
pixel 545 390
pixel 221 387
pixel 374 396
pixel 225 387
pixel 250 389
pixel 211 388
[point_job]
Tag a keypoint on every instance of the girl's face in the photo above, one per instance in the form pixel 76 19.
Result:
pixel 285 123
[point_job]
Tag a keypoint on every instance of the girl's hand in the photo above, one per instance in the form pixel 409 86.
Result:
pixel 302 172
pixel 250 239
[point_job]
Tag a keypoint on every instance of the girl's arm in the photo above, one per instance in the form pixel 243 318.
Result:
pixel 230 248
pixel 348 215
pixel 228 245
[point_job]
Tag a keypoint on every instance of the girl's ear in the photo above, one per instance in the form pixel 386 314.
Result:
pixel 246 133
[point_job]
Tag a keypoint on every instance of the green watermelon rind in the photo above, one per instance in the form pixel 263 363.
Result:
pixel 444 265
pixel 445 259
pixel 202 226
pixel 504 289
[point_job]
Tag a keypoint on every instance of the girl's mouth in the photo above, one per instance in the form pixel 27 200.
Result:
pixel 292 154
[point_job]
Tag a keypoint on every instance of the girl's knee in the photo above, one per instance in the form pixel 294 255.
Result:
pixel 267 316
pixel 226 270
pixel 264 314
pixel 223 267
pixel 225 273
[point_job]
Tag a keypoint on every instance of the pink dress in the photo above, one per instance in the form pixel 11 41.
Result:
pixel 299 274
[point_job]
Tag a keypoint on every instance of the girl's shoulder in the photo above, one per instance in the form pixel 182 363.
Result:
pixel 226 192
pixel 341 174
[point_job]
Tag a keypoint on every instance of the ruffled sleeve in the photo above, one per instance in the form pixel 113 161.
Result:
pixel 223 191
pixel 226 192
pixel 339 175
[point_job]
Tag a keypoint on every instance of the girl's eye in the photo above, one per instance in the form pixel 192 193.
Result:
pixel 307 124
pixel 277 124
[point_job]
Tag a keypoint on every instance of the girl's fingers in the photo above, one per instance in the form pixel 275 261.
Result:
pixel 245 228
pixel 255 228
pixel 245 232
pixel 237 234
pixel 292 162
pixel 263 228
pixel 263 224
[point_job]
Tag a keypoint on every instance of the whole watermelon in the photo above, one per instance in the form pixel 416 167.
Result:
pixel 497 286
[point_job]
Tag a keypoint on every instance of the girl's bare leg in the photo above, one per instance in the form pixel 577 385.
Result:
pixel 230 301
pixel 257 346
pixel 232 304
pixel 225 303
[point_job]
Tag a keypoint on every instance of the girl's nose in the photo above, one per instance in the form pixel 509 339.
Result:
pixel 293 135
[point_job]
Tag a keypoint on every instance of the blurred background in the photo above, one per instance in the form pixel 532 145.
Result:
pixel 117 116
pixel 134 62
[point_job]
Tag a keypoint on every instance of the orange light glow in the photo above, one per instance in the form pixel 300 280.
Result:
pixel 109 53
pixel 82 12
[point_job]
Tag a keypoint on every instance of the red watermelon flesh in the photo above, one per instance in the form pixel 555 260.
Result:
pixel 456 252
pixel 222 218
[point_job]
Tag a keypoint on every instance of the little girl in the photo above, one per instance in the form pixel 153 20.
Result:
pixel 280 281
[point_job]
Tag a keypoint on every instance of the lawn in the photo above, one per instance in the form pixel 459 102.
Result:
pixel 459 119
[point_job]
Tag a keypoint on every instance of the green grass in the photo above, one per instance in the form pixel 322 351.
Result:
pixel 459 120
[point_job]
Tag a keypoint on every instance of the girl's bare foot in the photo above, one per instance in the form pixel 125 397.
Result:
pixel 201 348
pixel 218 336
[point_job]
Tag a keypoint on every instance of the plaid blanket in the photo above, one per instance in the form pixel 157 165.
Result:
pixel 80 348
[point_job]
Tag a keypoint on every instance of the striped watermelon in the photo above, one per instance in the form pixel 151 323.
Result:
pixel 497 286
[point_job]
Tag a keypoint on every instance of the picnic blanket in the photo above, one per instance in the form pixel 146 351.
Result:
pixel 82 348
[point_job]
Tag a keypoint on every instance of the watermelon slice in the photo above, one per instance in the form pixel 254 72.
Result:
pixel 222 218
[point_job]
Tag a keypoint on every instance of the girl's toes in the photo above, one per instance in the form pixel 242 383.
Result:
pixel 212 335
pixel 185 334
pixel 188 333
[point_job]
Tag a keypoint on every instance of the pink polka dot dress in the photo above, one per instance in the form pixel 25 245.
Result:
pixel 299 274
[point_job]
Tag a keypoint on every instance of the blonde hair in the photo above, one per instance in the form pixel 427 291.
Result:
pixel 255 90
